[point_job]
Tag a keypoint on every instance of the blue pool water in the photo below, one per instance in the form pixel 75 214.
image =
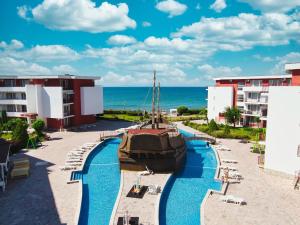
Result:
pixel 101 181
pixel 184 192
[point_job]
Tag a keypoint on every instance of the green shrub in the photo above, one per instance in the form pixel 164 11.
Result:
pixel 182 109
pixel 226 130
pixel 19 133
pixel 38 125
pixel 212 126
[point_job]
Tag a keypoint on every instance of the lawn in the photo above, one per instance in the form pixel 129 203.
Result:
pixel 124 117
pixel 186 118
pixel 223 131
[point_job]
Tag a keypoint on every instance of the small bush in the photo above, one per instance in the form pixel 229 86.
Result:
pixel 226 130
pixel 212 126
pixel 38 126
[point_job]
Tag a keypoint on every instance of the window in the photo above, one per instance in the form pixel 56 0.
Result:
pixel 24 82
pixel 298 151
pixel 256 82
pixel 241 84
pixel 253 95
pixel 240 98
pixel 11 108
pixel 9 83
pixel 23 96
pixel 10 95
pixel 275 82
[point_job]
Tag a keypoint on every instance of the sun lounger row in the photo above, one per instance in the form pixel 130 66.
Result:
pixel 75 156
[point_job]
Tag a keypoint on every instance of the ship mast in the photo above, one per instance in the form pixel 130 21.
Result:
pixel 153 100
pixel 158 109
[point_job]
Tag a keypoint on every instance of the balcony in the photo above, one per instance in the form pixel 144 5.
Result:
pixel 13 89
pixel 260 101
pixel 13 102
pixel 256 89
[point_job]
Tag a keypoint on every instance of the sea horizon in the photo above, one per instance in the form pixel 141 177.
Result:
pixel 140 98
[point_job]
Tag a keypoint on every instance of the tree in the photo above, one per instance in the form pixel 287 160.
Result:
pixel 38 125
pixel 232 115
pixel 203 112
pixel 182 109
pixel 19 132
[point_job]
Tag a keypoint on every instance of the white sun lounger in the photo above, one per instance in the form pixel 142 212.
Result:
pixel 229 168
pixel 222 148
pixel 66 167
pixel 154 189
pixel 232 199
pixel 145 172
pixel 235 175
pixel 229 161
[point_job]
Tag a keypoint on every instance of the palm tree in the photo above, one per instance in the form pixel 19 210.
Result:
pixel 257 121
pixel 232 115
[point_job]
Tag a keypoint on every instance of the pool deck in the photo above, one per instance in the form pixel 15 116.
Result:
pixel 270 196
pixel 145 208
pixel 46 198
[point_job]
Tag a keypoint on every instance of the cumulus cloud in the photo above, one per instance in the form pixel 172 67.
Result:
pixel 80 15
pixel 121 40
pixel 273 5
pixel 263 58
pixel 64 69
pixel 292 57
pixel 11 66
pixel 39 52
pixel 218 5
pixel 13 45
pixel 146 24
pixel 244 31
pixel 172 7
pixel 210 71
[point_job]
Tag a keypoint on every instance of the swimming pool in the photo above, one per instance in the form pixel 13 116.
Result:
pixel 100 184
pixel 181 198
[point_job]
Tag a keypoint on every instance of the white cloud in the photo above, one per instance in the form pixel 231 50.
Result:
pixel 218 5
pixel 146 24
pixel 23 12
pixel 292 57
pixel 13 45
pixel 244 31
pixel 121 40
pixel 210 71
pixel 64 69
pixel 263 58
pixel 39 52
pixel 80 15
pixel 273 5
pixel 172 7
pixel 10 66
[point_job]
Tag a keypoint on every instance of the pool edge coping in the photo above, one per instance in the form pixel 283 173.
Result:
pixel 117 201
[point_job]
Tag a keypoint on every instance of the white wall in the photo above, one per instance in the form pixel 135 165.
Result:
pixel 218 99
pixel 52 102
pixel 47 102
pixel 91 100
pixel 283 129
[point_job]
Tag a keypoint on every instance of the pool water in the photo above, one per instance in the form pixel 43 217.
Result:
pixel 184 192
pixel 101 181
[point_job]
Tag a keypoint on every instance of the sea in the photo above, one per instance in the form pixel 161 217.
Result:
pixel 140 98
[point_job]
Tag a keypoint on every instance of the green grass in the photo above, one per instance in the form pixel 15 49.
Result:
pixel 185 118
pixel 235 133
pixel 124 117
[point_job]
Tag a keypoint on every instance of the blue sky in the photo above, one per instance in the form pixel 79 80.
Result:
pixel 187 42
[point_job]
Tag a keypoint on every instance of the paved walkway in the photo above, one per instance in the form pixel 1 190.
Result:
pixel 45 197
pixel 143 208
